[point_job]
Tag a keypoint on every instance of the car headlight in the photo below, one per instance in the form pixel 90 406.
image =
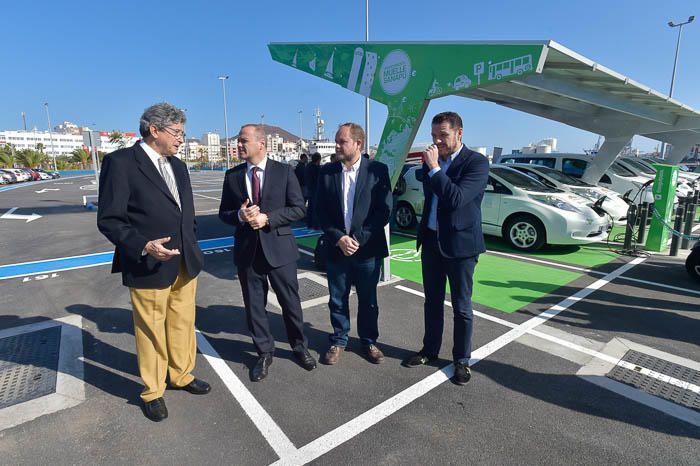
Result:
pixel 555 202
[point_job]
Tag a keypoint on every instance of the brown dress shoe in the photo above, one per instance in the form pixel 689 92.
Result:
pixel 332 355
pixel 374 354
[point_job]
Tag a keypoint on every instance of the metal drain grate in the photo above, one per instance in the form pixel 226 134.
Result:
pixel 28 365
pixel 309 289
pixel 655 386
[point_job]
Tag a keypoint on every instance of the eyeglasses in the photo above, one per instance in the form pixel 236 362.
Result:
pixel 176 134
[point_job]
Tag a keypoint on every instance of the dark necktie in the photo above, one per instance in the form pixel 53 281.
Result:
pixel 255 185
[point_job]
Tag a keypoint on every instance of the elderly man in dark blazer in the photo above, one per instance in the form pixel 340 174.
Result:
pixel 146 210
pixel 454 180
pixel 353 206
pixel 261 198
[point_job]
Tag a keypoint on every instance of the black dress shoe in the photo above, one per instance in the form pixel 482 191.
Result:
pixel 260 369
pixel 196 387
pixel 418 359
pixel 462 374
pixel 305 359
pixel 155 410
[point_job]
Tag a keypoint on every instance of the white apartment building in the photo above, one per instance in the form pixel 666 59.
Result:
pixel 191 150
pixel 212 141
pixel 274 143
pixel 59 143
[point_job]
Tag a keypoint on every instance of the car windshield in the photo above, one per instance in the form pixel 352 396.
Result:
pixel 619 170
pixel 641 166
pixel 521 180
pixel 560 177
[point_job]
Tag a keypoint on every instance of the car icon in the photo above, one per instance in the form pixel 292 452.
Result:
pixel 462 82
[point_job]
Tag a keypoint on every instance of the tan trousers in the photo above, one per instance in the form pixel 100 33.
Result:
pixel 164 330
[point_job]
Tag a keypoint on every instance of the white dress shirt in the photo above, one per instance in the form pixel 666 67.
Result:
pixel 154 156
pixel 249 177
pixel 349 184
pixel 442 165
pixel 249 181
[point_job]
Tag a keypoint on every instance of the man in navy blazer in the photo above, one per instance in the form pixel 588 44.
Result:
pixel 146 210
pixel 261 198
pixel 353 206
pixel 454 180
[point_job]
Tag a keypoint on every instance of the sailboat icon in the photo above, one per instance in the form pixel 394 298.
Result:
pixel 329 67
pixel 294 60
pixel 312 64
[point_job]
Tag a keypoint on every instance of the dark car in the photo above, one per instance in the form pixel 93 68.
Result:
pixel 52 174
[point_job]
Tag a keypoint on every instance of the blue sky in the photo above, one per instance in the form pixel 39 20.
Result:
pixel 103 62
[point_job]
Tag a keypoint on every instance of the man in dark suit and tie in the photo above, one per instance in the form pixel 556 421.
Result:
pixel 454 179
pixel 353 206
pixel 146 210
pixel 261 198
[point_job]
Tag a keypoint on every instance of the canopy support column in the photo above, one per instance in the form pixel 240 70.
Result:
pixel 606 156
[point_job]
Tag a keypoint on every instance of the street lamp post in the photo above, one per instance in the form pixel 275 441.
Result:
pixel 301 126
pixel 675 63
pixel 53 152
pixel 223 79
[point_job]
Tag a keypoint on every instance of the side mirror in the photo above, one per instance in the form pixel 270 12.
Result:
pixel 420 176
pixel 400 187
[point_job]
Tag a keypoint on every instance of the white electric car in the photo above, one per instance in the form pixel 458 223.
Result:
pixel 616 177
pixel 518 208
pixel 598 197
pixel 684 185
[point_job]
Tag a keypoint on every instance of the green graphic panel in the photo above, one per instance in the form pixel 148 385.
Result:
pixel 405 76
pixel 664 194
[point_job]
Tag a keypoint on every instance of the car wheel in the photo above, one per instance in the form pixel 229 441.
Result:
pixel 524 232
pixel 692 263
pixel 405 216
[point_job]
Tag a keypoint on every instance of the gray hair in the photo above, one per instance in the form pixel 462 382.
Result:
pixel 160 115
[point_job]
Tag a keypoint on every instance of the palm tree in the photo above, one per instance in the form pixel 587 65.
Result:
pixel 40 147
pixel 7 156
pixel 115 137
pixel 31 158
pixel 62 162
pixel 81 156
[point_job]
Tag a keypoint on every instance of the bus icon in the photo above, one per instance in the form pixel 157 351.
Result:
pixel 505 68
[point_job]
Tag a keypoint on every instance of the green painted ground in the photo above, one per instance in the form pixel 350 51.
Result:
pixel 500 283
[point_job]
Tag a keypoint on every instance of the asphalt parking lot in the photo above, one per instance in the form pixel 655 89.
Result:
pixel 555 379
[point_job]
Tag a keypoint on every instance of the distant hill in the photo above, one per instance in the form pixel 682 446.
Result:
pixel 271 129
pixel 286 135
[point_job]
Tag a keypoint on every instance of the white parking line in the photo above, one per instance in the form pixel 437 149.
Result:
pixel 277 439
pixel 207 197
pixel 679 412
pixel 356 426
pixel 578 269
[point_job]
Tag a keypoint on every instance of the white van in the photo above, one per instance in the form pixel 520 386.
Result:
pixel 616 177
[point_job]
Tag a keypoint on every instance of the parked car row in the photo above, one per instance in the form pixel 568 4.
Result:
pixel 524 211
pixel 19 175
pixel 617 177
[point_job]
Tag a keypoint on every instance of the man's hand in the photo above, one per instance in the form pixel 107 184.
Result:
pixel 430 156
pixel 348 245
pixel 259 221
pixel 159 252
pixel 249 212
